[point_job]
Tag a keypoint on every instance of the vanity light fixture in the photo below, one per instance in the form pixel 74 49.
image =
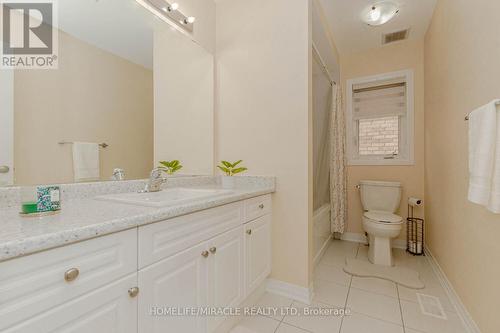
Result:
pixel 190 20
pixel 380 13
pixel 173 7
pixel 165 10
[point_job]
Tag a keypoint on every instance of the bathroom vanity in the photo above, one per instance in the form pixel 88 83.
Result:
pixel 209 253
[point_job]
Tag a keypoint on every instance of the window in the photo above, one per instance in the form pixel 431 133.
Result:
pixel 380 119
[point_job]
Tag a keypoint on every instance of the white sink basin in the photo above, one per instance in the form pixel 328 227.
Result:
pixel 164 198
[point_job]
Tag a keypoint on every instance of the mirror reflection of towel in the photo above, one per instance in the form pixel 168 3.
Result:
pixel 85 161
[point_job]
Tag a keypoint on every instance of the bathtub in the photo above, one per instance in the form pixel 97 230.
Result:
pixel 321 233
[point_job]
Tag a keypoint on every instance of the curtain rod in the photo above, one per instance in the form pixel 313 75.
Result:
pixel 385 86
pixel 323 64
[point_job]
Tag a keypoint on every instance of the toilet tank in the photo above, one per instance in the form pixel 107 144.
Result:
pixel 380 195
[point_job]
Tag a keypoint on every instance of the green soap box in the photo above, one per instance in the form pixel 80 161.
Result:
pixel 48 198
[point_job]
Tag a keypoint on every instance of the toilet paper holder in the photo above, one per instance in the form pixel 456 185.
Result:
pixel 415 229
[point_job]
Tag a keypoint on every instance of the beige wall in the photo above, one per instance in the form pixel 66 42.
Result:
pixel 390 58
pixel 204 28
pixel 462 72
pixel 263 115
pixel 94 96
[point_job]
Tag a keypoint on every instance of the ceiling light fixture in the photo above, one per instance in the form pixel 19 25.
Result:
pixel 380 13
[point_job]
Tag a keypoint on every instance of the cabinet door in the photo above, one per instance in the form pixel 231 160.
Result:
pixel 37 283
pixel 257 252
pixel 104 310
pixel 226 273
pixel 175 283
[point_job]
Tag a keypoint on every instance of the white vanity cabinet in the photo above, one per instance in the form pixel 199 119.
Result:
pixel 72 288
pixel 143 279
pixel 257 252
pixel 205 276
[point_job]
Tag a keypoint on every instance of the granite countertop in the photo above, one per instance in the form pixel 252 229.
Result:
pixel 86 218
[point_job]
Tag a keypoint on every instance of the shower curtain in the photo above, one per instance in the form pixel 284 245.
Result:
pixel 338 171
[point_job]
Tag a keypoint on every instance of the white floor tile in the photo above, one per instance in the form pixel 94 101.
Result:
pixel 374 305
pixel 359 323
pixel 273 301
pixel 332 273
pixel 330 293
pixel 324 322
pixel 256 324
pixel 362 253
pixel 375 285
pixel 433 290
pixel 338 251
pixel 284 328
pixel 414 318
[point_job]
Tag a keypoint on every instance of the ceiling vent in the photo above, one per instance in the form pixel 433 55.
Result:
pixel 395 36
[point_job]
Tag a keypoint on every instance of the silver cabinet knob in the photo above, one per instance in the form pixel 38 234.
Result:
pixel 261 206
pixel 213 250
pixel 71 274
pixel 205 254
pixel 133 292
pixel 4 169
pixel 249 231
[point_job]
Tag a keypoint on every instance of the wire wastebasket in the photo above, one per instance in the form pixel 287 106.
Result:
pixel 414 233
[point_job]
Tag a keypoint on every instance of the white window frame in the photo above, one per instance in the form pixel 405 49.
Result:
pixel 353 158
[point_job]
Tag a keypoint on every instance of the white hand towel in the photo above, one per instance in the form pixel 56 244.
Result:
pixel 85 161
pixel 484 157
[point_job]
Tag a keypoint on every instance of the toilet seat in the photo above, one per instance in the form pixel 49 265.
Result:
pixel 383 217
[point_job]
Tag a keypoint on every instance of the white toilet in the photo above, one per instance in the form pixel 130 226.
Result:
pixel 380 201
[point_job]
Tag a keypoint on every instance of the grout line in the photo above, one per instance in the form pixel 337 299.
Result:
pixel 401 309
pixel 347 297
pixel 301 328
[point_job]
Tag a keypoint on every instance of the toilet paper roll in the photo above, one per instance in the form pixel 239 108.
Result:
pixel 414 201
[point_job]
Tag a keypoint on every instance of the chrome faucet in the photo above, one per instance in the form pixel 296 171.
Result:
pixel 155 181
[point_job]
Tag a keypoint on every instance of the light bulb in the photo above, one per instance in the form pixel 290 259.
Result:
pixel 375 14
pixel 190 19
pixel 379 13
pixel 173 7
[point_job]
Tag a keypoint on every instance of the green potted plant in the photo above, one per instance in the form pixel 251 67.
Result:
pixel 170 167
pixel 230 169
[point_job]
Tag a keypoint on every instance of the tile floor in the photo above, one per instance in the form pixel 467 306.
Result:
pixel 376 306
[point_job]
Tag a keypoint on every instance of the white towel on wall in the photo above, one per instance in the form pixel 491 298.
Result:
pixel 484 157
pixel 85 161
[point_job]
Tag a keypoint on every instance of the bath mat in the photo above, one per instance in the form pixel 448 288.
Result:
pixel 403 276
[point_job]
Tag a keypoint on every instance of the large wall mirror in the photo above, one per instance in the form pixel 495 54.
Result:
pixel 126 80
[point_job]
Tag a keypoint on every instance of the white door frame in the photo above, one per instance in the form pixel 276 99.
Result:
pixel 7 126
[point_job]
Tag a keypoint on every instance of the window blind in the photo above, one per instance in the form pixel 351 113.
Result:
pixel 379 102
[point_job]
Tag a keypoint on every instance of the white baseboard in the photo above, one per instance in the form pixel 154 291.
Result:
pixel 462 312
pixel 322 251
pixel 297 293
pixel 361 238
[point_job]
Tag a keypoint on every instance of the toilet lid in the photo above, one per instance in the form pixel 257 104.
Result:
pixel 383 216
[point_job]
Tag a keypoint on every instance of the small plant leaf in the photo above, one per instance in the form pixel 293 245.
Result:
pixel 170 167
pixel 239 170
pixel 236 163
pixel 227 164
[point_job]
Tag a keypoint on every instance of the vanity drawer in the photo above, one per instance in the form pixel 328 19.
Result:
pixel 41 281
pixel 257 207
pixel 160 240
